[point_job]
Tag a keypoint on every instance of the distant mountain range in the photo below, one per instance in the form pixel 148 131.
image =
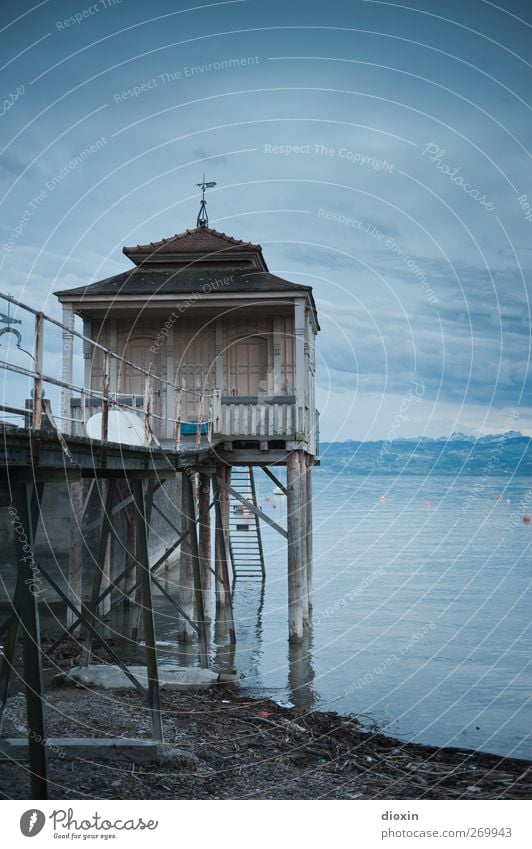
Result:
pixel 500 454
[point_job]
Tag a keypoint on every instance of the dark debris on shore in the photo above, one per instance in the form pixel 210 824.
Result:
pixel 244 748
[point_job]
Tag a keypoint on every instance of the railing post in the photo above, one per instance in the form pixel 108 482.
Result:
pixel 105 398
pixel 83 410
pixel 147 410
pixel 178 419
pixel 209 422
pixel 37 381
pixel 200 416
pixel 217 410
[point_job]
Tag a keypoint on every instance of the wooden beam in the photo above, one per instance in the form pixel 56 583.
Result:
pixel 272 477
pixel 256 510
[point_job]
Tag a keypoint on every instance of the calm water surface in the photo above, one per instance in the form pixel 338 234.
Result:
pixel 421 609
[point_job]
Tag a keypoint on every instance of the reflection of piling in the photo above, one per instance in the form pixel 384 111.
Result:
pixel 301 672
pixel 225 645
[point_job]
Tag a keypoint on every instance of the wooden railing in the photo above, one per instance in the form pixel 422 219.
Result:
pixel 91 398
pixel 258 415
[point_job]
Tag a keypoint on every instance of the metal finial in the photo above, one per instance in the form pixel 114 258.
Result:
pixel 203 218
pixel 9 321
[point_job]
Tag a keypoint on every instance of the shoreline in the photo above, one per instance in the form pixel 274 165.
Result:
pixel 235 747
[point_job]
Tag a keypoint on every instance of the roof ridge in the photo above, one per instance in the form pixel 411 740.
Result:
pixel 191 234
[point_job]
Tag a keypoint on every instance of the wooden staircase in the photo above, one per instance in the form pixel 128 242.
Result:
pixel 245 542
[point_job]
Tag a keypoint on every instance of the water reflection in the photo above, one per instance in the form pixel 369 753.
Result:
pixel 301 673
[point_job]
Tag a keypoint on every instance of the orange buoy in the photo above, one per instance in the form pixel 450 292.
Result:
pixel 382 499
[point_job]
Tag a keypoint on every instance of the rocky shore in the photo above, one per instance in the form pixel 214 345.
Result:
pixel 235 747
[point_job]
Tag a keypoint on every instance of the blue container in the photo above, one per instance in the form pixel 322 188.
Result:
pixel 190 429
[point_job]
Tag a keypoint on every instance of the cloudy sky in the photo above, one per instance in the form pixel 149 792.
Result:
pixel 376 150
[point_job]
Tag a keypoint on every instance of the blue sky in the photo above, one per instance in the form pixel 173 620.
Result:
pixel 376 150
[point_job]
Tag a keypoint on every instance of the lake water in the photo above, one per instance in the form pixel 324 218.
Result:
pixel 421 609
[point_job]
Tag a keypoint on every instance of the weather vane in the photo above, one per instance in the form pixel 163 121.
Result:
pixel 7 319
pixel 203 218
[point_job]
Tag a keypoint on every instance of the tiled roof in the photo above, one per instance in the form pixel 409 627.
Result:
pixel 203 240
pixel 141 281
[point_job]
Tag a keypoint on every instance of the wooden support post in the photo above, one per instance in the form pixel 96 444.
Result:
pixel 294 527
pixel 190 516
pixel 9 647
pixel 303 540
pixel 97 580
pixel 105 604
pixel 25 505
pixel 12 627
pixel 224 606
pixel 129 579
pixel 147 612
pixel 75 554
pixel 204 541
pixel 186 585
pixel 220 541
pixel 308 540
pixel 225 516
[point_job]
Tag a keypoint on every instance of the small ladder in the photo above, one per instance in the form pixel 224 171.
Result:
pixel 245 541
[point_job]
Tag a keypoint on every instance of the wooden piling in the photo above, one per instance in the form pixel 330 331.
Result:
pixel 221 540
pixel 198 609
pixel 224 602
pixel 309 540
pixel 204 541
pixel 130 556
pixel 141 534
pixel 295 531
pixel 185 632
pixel 75 554
pixel 302 576
pixel 25 502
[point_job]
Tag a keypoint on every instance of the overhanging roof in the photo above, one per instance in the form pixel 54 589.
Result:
pixel 201 282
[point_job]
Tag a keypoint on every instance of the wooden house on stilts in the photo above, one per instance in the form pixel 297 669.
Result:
pixel 228 358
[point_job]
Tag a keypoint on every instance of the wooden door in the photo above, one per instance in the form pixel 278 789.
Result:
pixel 132 382
pixel 249 366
